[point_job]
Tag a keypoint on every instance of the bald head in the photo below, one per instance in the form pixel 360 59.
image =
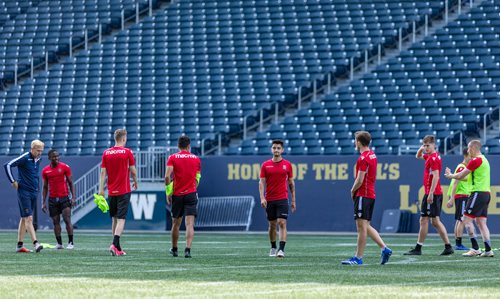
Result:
pixel 474 148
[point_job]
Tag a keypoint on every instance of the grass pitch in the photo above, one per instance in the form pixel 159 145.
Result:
pixel 237 265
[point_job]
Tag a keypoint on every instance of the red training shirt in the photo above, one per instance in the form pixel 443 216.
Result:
pixel 432 162
pixel 474 163
pixel 186 166
pixel 276 175
pixel 116 161
pixel 367 162
pixel 56 179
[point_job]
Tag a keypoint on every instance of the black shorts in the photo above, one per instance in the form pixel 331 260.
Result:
pixel 277 209
pixel 477 205
pixel 118 205
pixel 27 202
pixel 363 207
pixel 58 204
pixel 433 209
pixel 460 207
pixel 185 205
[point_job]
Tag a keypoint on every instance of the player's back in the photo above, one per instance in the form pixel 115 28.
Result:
pixel 186 165
pixel 117 161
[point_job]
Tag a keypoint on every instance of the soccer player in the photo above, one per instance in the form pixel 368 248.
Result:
pixel 118 164
pixel 56 179
pixel 477 204
pixel 275 175
pixel 28 166
pixel 433 198
pixel 363 196
pixel 458 193
pixel 186 168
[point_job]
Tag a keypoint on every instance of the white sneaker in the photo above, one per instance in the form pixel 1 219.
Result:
pixel 280 254
pixel 487 254
pixel 38 247
pixel 471 253
pixel 272 252
pixel 59 246
pixel 70 246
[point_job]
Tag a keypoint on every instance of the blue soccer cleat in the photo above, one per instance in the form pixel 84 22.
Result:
pixel 461 247
pixel 353 261
pixel 385 255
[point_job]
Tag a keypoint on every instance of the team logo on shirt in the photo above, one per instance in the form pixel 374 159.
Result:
pixel 284 167
pixel 359 214
pixel 59 170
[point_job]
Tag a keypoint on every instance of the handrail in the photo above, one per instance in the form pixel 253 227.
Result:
pixel 485 127
pixel 452 135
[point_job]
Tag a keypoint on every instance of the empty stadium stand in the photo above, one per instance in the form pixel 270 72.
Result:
pixel 199 67
pixel 445 83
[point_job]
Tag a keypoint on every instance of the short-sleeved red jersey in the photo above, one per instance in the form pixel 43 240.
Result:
pixel 56 179
pixel 186 166
pixel 432 162
pixel 116 161
pixel 276 175
pixel 367 162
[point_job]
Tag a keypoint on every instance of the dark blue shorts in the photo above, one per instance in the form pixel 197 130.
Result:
pixel 27 201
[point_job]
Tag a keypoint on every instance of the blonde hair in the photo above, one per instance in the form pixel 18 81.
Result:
pixel 37 143
pixel 119 134
pixel 475 143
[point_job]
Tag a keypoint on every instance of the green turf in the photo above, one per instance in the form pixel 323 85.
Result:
pixel 237 265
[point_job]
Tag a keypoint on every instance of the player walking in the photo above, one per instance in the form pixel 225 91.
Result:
pixel 57 177
pixel 28 166
pixel 458 194
pixel 186 168
pixel 433 198
pixel 363 196
pixel 477 204
pixel 118 164
pixel 275 174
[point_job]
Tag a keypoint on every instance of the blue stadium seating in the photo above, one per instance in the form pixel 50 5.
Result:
pixel 442 84
pixel 33 28
pixel 198 67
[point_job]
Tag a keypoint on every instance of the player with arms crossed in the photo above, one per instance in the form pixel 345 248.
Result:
pixel 56 179
pixel 28 166
pixel 118 164
pixel 186 168
pixel 433 198
pixel 458 193
pixel 363 196
pixel 275 175
pixel 477 204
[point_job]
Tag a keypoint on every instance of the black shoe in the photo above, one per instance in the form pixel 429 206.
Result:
pixel 447 251
pixel 413 251
pixel 173 252
pixel 187 254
